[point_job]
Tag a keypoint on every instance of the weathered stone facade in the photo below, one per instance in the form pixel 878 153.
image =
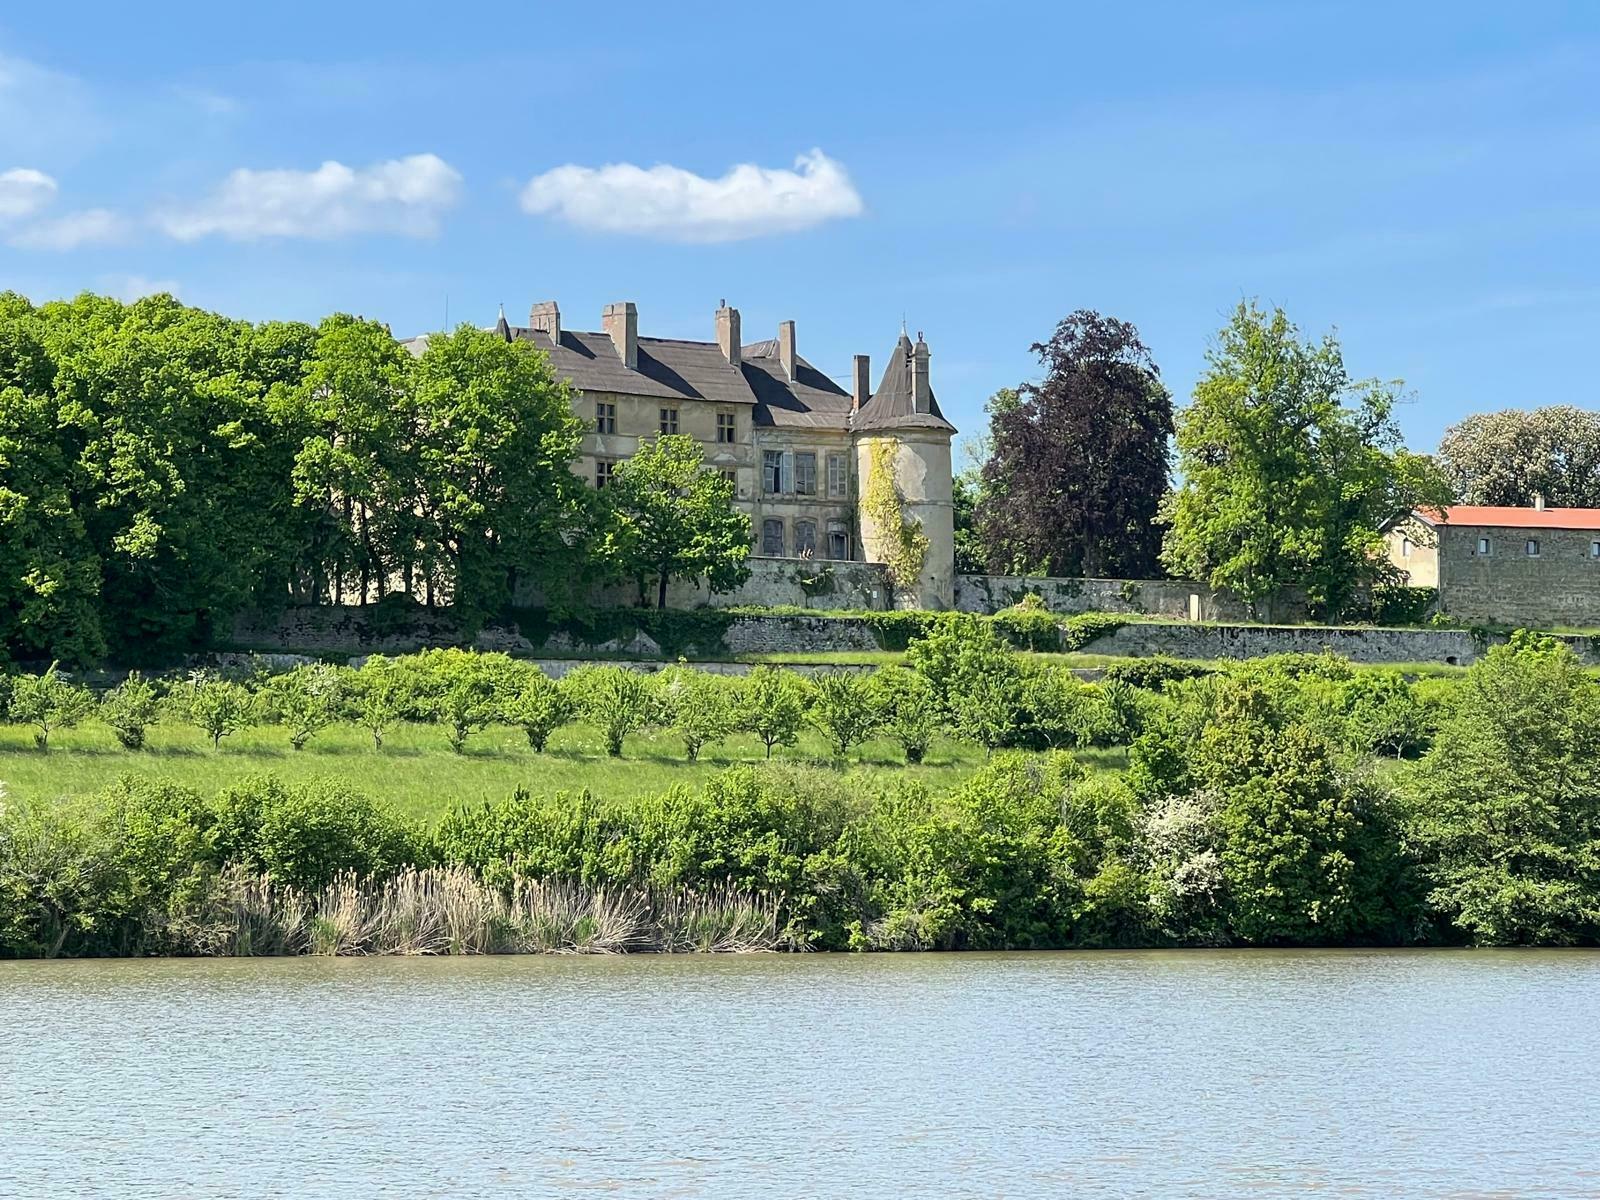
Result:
pixel 794 444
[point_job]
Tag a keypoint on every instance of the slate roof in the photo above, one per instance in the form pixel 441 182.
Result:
pixel 670 369
pixel 1497 516
pixel 893 405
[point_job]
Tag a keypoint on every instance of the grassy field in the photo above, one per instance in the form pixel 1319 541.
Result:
pixel 416 772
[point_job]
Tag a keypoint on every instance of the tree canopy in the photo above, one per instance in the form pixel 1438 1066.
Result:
pixel 1078 463
pixel 672 518
pixel 1290 470
pixel 1509 457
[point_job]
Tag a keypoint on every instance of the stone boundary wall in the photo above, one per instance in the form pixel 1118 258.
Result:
pixel 349 631
pixel 823 584
pixel 1178 599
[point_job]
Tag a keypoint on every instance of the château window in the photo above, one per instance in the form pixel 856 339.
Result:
pixel 805 539
pixel 805 474
pixel 725 428
pixel 838 478
pixel 838 541
pixel 1405 547
pixel 772 537
pixel 605 418
pixel 772 471
pixel 1533 547
pixel 602 472
pixel 1483 545
pixel 733 481
pixel 669 419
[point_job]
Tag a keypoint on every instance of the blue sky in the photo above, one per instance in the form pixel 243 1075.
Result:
pixel 1424 177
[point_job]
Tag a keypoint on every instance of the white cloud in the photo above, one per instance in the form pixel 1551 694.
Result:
pixel 404 196
pixel 129 288
pixel 23 192
pixel 668 202
pixel 91 226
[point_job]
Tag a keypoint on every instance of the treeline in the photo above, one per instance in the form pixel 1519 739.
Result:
pixel 163 467
pixel 1252 812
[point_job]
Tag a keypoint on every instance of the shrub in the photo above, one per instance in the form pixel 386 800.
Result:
pixel 129 708
pixel 48 703
pixel 773 705
pixel 905 707
pixel 537 705
pixel 841 706
pixel 977 678
pixel 1153 674
pixel 1385 715
pixel 378 697
pixel 307 835
pixel 614 698
pixel 698 704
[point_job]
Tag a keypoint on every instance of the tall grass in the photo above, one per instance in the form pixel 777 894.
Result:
pixel 449 910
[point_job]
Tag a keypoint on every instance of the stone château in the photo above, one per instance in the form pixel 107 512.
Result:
pixel 797 447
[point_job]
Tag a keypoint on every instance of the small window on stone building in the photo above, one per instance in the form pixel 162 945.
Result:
pixel 725 428
pixel 733 481
pixel 605 418
pixel 772 471
pixel 838 541
pixel 602 473
pixel 838 479
pixel 1594 549
pixel 1405 547
pixel 805 474
pixel 1533 547
pixel 805 539
pixel 772 537
pixel 669 419
pixel 1483 545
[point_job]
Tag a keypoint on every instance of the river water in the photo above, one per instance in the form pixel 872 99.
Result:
pixel 1208 1073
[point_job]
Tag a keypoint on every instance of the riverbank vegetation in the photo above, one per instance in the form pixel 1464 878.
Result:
pixel 1277 802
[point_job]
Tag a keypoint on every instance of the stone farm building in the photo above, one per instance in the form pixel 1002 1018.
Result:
pixel 1497 565
pixel 796 445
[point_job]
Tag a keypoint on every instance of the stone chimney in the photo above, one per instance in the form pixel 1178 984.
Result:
pixel 786 347
pixel 860 381
pixel 621 324
pixel 728 333
pixel 1538 502
pixel 921 389
pixel 546 317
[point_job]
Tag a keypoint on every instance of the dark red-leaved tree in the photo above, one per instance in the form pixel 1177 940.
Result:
pixel 1077 467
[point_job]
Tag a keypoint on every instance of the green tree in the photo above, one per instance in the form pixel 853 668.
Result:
pixel 380 697
pixel 48 702
pixel 614 698
pixel 977 677
pixel 772 702
pixel 672 518
pixel 306 700
pixel 842 708
pixel 216 706
pixel 698 704
pixel 906 707
pixel 1504 810
pixel 498 502
pixel 129 708
pixel 537 705
pixel 1290 470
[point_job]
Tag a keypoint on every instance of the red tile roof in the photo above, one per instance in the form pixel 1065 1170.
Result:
pixel 1510 517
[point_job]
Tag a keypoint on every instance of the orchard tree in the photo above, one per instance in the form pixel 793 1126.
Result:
pixel 672 518
pixel 1078 463
pixel 1509 457
pixel 1290 470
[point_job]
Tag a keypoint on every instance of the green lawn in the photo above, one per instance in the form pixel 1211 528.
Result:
pixel 419 776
